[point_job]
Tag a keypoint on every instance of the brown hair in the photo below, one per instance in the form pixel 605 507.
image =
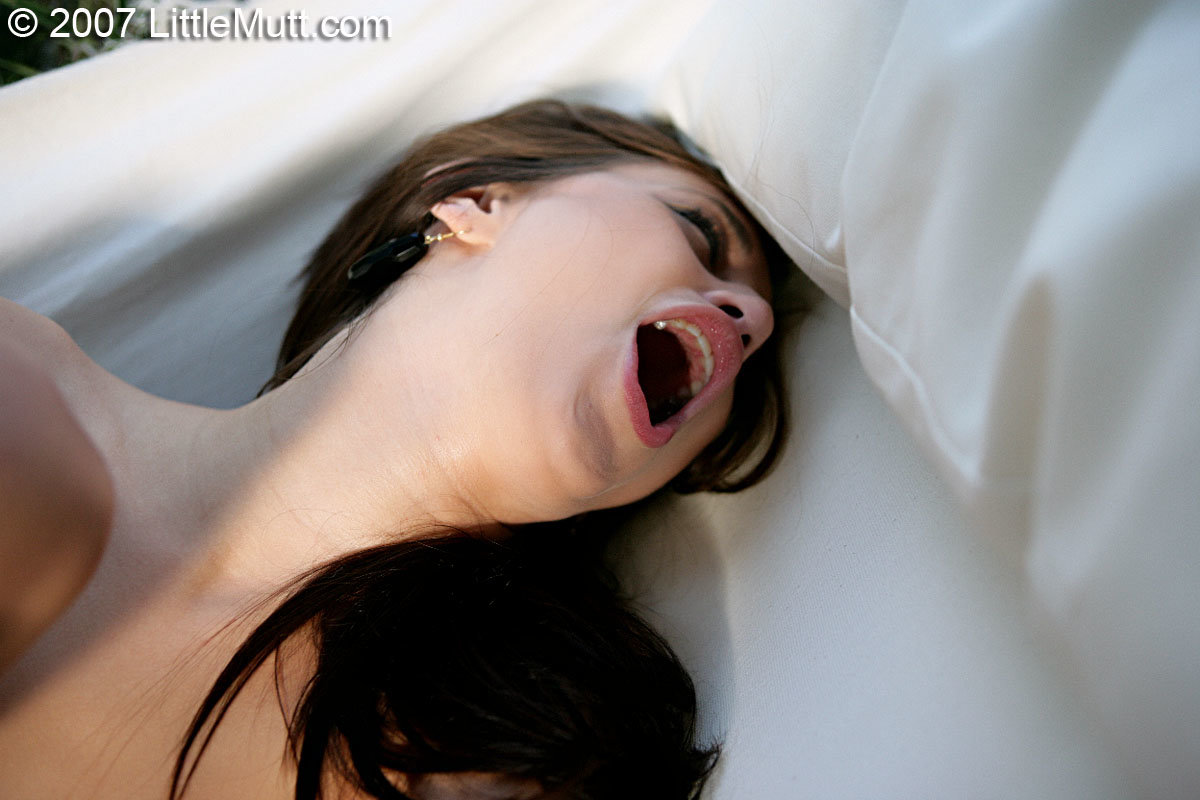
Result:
pixel 536 141
pixel 463 655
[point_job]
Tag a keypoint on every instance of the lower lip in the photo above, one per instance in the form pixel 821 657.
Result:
pixel 727 358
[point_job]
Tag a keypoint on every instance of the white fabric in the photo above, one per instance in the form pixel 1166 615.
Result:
pixel 776 90
pixel 1005 196
pixel 851 632
pixel 849 635
pixel 1021 208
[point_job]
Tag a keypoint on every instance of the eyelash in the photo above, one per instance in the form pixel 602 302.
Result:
pixel 710 231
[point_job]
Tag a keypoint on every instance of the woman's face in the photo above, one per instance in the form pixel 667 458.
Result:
pixel 590 330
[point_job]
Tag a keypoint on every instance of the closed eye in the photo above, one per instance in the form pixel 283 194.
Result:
pixel 709 230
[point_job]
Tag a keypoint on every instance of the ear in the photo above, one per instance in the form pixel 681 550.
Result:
pixel 477 215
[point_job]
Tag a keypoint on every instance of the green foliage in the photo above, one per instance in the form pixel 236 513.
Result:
pixel 22 57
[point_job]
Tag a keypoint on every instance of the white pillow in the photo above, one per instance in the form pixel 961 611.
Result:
pixel 1021 209
pixel 1006 197
pixel 775 91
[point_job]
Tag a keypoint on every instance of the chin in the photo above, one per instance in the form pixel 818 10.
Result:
pixel 604 474
pixel 652 475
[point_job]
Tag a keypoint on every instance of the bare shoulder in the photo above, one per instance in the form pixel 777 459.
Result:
pixel 55 488
pixel 26 333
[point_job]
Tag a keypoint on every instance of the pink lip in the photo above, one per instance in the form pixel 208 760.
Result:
pixel 728 353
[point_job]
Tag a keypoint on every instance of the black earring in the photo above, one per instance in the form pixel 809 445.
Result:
pixel 403 252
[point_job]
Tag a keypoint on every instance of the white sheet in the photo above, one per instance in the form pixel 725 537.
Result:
pixel 851 637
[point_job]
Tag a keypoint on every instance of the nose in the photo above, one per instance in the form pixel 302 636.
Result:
pixel 751 314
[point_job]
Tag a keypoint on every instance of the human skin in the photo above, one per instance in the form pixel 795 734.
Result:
pixel 551 283
pixel 57 499
pixel 484 389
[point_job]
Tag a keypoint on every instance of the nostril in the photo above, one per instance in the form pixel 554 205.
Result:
pixel 745 340
pixel 732 311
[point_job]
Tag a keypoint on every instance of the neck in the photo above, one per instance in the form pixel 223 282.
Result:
pixel 261 493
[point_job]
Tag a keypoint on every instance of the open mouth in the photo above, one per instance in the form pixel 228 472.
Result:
pixel 679 362
pixel 675 363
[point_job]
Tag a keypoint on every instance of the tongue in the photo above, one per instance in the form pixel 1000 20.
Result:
pixel 663 372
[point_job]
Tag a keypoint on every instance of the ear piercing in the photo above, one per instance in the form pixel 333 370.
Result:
pixel 430 239
pixel 403 251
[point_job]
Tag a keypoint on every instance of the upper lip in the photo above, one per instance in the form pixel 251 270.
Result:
pixel 727 352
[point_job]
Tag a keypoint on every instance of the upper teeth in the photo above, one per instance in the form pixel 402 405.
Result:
pixel 701 341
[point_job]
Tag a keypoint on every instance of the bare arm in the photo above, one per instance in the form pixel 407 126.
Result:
pixel 56 503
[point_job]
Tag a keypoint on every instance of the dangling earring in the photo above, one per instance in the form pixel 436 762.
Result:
pixel 403 251
pixel 430 239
